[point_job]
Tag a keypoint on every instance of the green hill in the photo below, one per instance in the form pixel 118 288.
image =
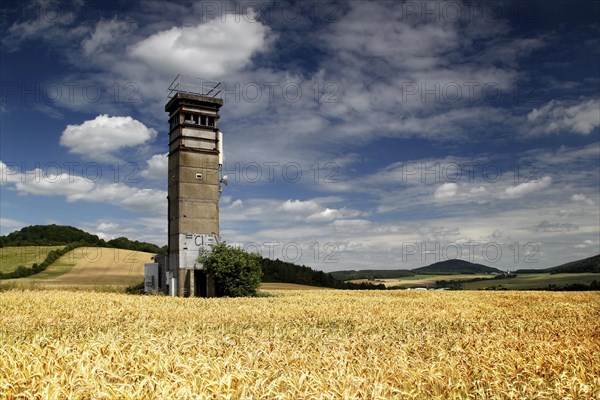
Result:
pixel 49 235
pixel 58 235
pixel 455 266
pixel 590 264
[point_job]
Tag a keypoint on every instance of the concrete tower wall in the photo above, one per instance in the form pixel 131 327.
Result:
pixel 193 188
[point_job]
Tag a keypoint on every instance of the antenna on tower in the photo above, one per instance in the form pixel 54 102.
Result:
pixel 187 84
pixel 214 88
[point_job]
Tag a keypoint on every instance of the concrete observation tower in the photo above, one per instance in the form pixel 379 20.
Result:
pixel 194 187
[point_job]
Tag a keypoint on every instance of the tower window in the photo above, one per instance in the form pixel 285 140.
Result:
pixel 174 120
pixel 211 121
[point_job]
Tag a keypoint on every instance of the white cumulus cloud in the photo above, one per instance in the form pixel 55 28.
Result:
pixel 526 188
pixel 327 214
pixel 584 244
pixel 557 116
pixel 445 191
pixel 351 223
pixel 107 226
pixel 299 206
pixel 582 198
pixel 39 184
pixel 97 139
pixel 7 174
pixel 8 225
pixel 478 190
pixel 130 198
pixel 105 33
pixel 210 50
pixel 158 166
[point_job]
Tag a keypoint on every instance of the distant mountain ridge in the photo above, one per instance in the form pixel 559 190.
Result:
pixel 457 266
pixel 448 267
pixel 590 264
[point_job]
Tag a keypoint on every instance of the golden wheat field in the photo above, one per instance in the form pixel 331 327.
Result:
pixel 324 344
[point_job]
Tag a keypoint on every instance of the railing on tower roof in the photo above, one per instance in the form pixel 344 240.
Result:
pixel 188 84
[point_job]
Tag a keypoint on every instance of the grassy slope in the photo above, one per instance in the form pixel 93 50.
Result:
pixel 13 256
pixel 94 266
pixel 534 281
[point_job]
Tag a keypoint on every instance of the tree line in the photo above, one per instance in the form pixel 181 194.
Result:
pixel 286 272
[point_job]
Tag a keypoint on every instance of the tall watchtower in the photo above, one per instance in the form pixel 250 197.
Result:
pixel 195 159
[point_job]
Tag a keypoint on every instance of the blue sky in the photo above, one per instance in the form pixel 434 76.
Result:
pixel 357 134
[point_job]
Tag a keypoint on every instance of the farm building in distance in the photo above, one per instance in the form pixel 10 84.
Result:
pixel 194 187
